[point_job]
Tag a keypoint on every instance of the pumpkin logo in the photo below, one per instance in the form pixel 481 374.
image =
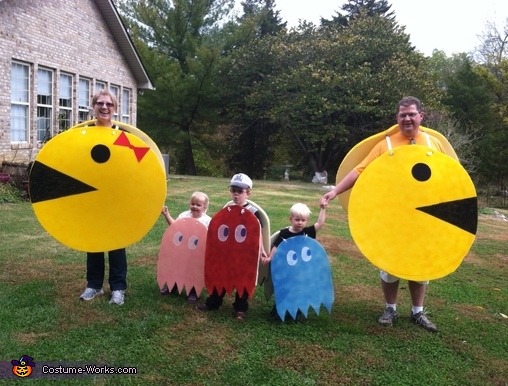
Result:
pixel 23 367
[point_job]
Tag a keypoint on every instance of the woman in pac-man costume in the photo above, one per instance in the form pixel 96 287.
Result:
pixel 97 188
pixel 421 219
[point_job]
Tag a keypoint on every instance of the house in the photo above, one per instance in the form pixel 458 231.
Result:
pixel 55 54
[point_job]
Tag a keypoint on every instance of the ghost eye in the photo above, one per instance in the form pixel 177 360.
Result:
pixel 306 254
pixel 100 153
pixel 193 242
pixel 421 172
pixel 292 257
pixel 240 233
pixel 223 232
pixel 177 238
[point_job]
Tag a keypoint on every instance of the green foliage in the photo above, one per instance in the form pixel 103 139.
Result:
pixel 357 9
pixel 266 19
pixel 179 49
pixel 323 88
pixel 9 194
pixel 492 56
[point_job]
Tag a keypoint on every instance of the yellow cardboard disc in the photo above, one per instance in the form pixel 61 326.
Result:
pixel 413 213
pixel 97 189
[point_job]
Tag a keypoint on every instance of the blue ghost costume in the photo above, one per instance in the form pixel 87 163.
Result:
pixel 301 277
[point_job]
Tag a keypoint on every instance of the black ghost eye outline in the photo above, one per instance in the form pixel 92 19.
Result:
pixel 100 153
pixel 421 172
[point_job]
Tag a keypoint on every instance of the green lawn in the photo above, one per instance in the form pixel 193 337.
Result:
pixel 168 342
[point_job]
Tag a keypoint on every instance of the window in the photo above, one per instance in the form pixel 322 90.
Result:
pixel 19 102
pixel 83 100
pixel 65 103
pixel 99 86
pixel 116 92
pixel 44 105
pixel 126 103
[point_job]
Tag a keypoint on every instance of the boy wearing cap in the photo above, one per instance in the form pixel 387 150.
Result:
pixel 240 188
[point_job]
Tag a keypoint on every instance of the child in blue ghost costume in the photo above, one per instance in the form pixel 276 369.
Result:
pixel 298 217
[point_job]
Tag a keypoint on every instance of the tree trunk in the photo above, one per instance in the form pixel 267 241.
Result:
pixel 189 157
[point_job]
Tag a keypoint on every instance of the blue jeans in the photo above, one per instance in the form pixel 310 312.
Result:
pixel 117 269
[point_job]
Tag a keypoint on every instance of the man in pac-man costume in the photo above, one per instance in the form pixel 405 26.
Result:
pixel 395 221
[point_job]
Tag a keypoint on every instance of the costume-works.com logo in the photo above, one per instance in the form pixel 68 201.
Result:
pixel 23 367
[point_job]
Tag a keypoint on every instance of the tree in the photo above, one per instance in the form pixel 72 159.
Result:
pixel 177 42
pixel 467 95
pixel 263 12
pixel 327 88
pixel 492 55
pixel 359 8
pixel 248 135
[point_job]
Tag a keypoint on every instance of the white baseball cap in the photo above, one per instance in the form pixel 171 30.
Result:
pixel 241 180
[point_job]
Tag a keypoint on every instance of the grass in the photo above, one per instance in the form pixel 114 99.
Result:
pixel 169 343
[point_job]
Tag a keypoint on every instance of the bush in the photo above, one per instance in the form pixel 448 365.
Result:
pixel 9 194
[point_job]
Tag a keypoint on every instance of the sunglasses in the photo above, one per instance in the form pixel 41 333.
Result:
pixel 236 190
pixel 108 104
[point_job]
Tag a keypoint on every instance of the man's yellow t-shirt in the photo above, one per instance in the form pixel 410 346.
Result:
pixel 397 140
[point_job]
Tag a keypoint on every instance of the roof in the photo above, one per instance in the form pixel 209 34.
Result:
pixel 119 32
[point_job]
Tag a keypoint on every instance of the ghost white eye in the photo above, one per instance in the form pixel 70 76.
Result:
pixel 240 233
pixel 292 257
pixel 193 242
pixel 223 232
pixel 178 238
pixel 306 254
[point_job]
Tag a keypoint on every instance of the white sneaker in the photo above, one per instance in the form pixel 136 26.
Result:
pixel 90 293
pixel 117 297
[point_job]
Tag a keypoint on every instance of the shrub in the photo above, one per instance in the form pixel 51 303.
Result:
pixel 9 194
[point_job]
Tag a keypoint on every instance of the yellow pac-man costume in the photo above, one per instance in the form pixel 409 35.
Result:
pixel 96 188
pixel 413 213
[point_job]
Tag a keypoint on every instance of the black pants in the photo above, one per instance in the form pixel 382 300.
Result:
pixel 117 269
pixel 215 300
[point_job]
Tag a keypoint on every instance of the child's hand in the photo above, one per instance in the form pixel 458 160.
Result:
pixel 265 259
pixel 164 210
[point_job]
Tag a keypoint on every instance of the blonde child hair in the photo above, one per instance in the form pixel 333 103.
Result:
pixel 300 210
pixel 200 196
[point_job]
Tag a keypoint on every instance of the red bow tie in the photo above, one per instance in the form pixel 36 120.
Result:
pixel 123 140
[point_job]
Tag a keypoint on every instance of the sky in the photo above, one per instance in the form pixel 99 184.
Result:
pixel 452 26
